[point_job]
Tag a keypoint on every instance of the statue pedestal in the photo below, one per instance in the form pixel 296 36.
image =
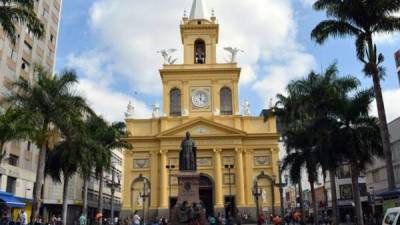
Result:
pixel 188 183
pixel 188 209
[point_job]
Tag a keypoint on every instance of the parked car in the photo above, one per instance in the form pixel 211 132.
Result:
pixel 392 216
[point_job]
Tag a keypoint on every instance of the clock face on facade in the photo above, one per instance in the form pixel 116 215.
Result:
pixel 200 98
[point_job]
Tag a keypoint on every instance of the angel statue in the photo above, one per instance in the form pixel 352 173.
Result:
pixel 130 111
pixel 165 53
pixel 234 52
pixel 246 107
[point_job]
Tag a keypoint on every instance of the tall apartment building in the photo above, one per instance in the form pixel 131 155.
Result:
pixel 376 173
pixel 17 170
pixel 397 59
pixel 53 194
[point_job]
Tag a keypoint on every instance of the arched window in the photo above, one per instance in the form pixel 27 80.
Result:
pixel 226 101
pixel 199 52
pixel 175 102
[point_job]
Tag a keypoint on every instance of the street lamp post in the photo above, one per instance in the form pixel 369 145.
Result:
pixel 280 184
pixel 113 185
pixel 257 193
pixel 229 167
pixel 170 168
pixel 373 200
pixel 144 196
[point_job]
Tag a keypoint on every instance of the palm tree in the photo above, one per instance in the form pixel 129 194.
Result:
pixel 108 137
pixel 72 152
pixel 10 129
pixel 13 12
pixel 308 114
pixel 43 107
pixel 358 137
pixel 87 163
pixel 299 149
pixel 363 19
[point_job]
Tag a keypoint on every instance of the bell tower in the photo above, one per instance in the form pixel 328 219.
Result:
pixel 200 87
pixel 199 34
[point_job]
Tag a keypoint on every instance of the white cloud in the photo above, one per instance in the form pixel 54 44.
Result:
pixel 111 104
pixel 292 66
pixel 95 86
pixel 132 31
pixel 387 38
pixel 308 2
pixel 392 106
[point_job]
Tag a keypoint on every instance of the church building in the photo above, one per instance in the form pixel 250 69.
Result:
pixel 235 150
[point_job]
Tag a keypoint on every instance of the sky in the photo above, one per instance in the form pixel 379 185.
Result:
pixel 113 44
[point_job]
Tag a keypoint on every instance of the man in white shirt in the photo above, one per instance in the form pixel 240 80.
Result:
pixel 23 218
pixel 136 219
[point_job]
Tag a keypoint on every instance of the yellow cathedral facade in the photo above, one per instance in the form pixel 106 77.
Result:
pixel 234 150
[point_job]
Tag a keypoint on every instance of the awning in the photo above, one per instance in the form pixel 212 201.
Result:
pixel 390 194
pixel 10 200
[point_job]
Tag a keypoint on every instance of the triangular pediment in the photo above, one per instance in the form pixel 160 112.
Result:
pixel 202 127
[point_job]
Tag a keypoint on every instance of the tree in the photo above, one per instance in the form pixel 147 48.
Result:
pixel 72 152
pixel 108 137
pixel 363 19
pixel 358 137
pixel 87 164
pixel 43 107
pixel 10 129
pixel 14 12
pixel 308 114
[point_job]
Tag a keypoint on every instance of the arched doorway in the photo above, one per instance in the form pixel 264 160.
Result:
pixel 206 192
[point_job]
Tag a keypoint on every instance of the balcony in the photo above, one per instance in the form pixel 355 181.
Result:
pixel 49 62
pixel 12 65
pixel 27 56
pixel 40 52
pixel 54 17
pixel 29 39
pixel 24 74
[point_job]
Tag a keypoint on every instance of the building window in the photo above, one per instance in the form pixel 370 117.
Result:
pixel 344 171
pixel 11 184
pixel 200 52
pixel 27 47
pixel 226 101
pixel 13 160
pixel 13 55
pixel 175 102
pixel 25 65
pixel 28 146
pixel 229 179
pixel 346 191
pixel 44 14
pixel 51 38
pixel 396 173
pixel 379 175
pixel 395 147
pixel 29 32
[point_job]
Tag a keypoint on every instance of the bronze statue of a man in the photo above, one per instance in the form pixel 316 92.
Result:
pixel 187 155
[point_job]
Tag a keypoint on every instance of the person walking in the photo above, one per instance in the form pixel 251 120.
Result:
pixel 136 219
pixel 348 219
pixel 212 220
pixel 23 218
pixel 82 219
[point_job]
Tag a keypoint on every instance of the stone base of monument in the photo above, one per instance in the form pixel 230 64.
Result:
pixel 188 209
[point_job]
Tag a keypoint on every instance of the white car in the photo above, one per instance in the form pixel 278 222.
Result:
pixel 392 216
